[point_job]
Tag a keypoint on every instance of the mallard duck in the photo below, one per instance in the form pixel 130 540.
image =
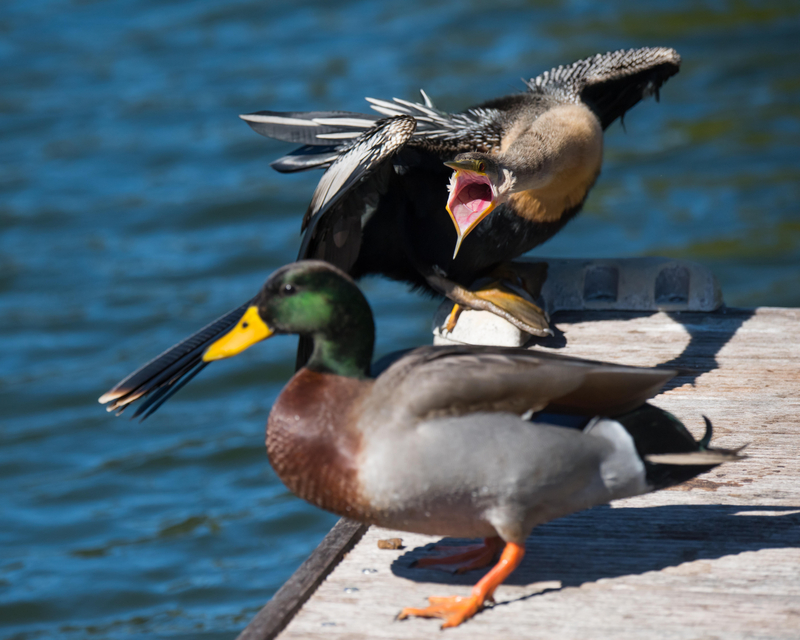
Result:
pixel 510 172
pixel 462 441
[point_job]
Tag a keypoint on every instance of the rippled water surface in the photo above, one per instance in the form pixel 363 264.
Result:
pixel 135 206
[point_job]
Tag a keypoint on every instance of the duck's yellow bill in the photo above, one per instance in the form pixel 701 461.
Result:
pixel 249 330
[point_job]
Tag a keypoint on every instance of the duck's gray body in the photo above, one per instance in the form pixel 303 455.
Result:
pixel 443 444
pixel 496 474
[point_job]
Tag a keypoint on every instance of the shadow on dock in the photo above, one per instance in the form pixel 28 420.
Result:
pixel 607 542
pixel 708 334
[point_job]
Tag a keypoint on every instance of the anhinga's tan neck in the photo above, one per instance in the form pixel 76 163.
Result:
pixel 555 159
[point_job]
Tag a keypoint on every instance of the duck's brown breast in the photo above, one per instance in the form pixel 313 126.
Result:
pixel 313 443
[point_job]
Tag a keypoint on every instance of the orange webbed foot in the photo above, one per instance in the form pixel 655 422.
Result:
pixel 467 558
pixel 504 300
pixel 456 609
pixel 452 609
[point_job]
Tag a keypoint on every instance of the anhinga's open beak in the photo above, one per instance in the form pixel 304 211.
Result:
pixel 249 330
pixel 472 197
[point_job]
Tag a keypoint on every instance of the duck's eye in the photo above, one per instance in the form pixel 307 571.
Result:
pixel 288 289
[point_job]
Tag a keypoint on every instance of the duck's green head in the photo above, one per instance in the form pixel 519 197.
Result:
pixel 311 298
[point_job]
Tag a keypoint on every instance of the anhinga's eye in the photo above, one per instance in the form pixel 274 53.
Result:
pixel 482 167
pixel 288 290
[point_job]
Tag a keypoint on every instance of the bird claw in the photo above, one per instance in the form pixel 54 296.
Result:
pixel 452 609
pixel 507 302
pixel 461 559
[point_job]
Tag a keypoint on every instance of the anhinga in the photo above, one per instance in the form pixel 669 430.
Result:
pixel 523 166
pixel 510 173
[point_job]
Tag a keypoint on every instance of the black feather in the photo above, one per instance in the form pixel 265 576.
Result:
pixel 161 374
pixel 655 431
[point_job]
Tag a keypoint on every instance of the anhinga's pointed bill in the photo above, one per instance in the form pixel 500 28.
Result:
pixel 472 197
pixel 249 330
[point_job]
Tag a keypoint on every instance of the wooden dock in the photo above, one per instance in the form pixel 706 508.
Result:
pixel 717 557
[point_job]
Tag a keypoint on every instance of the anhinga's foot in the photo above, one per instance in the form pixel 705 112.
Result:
pixel 467 558
pixel 503 300
pixel 452 609
pixel 522 313
pixel 452 318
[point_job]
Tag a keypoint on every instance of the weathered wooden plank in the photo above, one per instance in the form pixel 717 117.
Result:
pixel 718 557
pixel 275 615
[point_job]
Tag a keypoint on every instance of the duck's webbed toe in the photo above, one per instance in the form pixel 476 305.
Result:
pixel 452 609
pixel 466 557
pixel 456 609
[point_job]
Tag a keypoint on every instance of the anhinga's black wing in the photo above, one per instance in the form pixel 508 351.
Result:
pixel 348 192
pixel 346 196
pixel 325 135
pixel 610 83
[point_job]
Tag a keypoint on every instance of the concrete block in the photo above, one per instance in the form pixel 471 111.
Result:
pixel 616 284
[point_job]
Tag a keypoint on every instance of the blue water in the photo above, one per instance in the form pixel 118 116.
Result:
pixel 135 207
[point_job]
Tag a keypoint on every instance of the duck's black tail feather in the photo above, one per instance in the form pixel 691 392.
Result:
pixel 164 375
pixel 670 453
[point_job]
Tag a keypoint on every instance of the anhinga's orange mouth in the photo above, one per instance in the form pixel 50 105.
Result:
pixel 472 198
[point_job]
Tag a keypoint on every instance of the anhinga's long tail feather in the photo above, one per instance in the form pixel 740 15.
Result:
pixel 321 134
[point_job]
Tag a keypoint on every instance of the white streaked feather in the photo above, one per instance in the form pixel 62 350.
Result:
pixel 385 105
pixel 319 160
pixel 345 122
pixel 371 147
pixel 388 112
pixel 344 135
pixel 417 106
pixel 296 122
pixel 333 179
pixel 434 124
